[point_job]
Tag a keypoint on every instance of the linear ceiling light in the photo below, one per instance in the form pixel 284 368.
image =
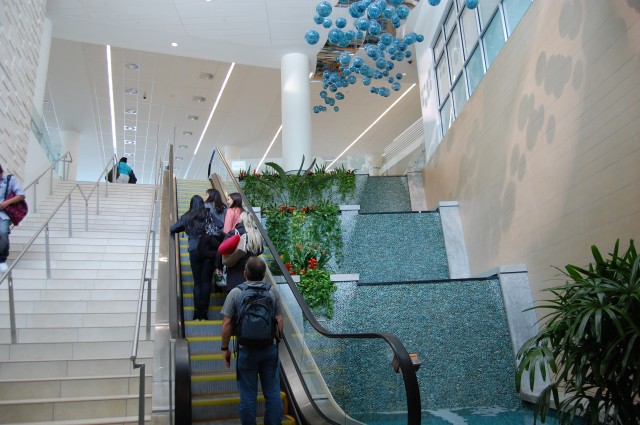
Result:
pixel 215 105
pixel 372 124
pixel 113 115
pixel 269 148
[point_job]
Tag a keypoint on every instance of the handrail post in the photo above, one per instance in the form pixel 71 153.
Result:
pixel 35 196
pixel 47 254
pixel 12 310
pixel 141 390
pixel 148 280
pixel 98 199
pixel 86 215
pixel 69 205
pixel 51 182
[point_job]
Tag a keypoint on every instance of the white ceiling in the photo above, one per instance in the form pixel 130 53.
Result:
pixel 254 34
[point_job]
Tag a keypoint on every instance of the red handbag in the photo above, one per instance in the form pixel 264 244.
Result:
pixel 229 245
pixel 17 211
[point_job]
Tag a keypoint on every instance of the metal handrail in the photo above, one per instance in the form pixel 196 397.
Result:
pixel 406 367
pixel 45 226
pixel 152 231
pixel 66 159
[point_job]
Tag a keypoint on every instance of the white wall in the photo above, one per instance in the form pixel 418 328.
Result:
pixel 544 159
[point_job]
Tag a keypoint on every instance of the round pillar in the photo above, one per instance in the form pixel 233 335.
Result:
pixel 296 114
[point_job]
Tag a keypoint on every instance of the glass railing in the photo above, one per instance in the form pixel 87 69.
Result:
pixel 343 378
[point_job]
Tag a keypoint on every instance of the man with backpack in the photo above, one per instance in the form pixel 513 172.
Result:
pixel 10 193
pixel 253 312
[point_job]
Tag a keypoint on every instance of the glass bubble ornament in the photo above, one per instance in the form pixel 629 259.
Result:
pixel 344 58
pixel 358 62
pixel 327 23
pixel 402 12
pixel 407 54
pixel 381 63
pixel 410 38
pixel 336 108
pixel 390 80
pixel 389 12
pixel 352 79
pixel 374 90
pixel 386 38
pixel 312 37
pixel 366 81
pixel 316 109
pixel 434 2
pixel 323 94
pixel 395 86
pixel 362 24
pixel 375 28
pixel 318 19
pixel 324 9
pixel 396 22
pixel 341 22
pixel 472 4
pixel 335 36
pixel 339 96
pixel 397 2
pixel 374 11
pixel 360 35
pixel 419 38
pixel 398 76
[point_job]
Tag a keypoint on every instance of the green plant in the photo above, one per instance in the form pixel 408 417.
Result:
pixel 317 289
pixel 345 181
pixel 590 341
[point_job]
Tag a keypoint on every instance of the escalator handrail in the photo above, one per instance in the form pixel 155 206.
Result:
pixel 405 364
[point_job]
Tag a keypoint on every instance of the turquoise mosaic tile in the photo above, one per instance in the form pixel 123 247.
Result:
pixel 385 194
pixel 458 328
pixel 394 247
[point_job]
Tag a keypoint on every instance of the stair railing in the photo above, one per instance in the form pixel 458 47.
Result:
pixel 8 275
pixel 401 359
pixel 65 159
pixel 145 282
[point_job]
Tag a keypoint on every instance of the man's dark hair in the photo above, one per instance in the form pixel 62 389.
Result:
pixel 1 170
pixel 255 268
pixel 123 159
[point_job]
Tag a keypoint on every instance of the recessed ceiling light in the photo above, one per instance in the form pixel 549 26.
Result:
pixel 174 44
pixel 130 127
pixel 131 91
pixel 183 147
pixel 132 66
pixel 129 142
pixel 198 99
pixel 192 117
pixel 131 111
pixel 206 76
pixel 129 154
pixel 187 133
pixel 179 158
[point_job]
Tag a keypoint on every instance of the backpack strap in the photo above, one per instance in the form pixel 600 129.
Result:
pixel 6 189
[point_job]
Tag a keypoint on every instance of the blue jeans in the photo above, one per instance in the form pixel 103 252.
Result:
pixel 4 239
pixel 263 362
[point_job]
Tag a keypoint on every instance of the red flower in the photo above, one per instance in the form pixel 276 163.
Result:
pixel 313 263
pixel 288 266
pixel 304 209
pixel 291 209
pixel 283 207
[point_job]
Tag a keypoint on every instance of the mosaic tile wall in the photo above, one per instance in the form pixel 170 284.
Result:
pixel 385 194
pixel 458 328
pixel 394 247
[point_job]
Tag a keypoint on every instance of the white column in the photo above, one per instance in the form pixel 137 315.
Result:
pixel 71 143
pixel 296 111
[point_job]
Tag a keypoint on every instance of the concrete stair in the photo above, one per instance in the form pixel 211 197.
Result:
pixel 75 329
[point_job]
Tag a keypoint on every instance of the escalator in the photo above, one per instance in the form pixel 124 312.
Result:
pixel 314 361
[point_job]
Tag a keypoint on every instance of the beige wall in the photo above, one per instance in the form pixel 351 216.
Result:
pixel 21 23
pixel 545 157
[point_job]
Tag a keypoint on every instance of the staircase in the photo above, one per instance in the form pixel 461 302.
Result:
pixel 215 396
pixel 71 364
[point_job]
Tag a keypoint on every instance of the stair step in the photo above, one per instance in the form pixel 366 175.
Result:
pixel 48 320
pixel 72 387
pixel 72 350
pixel 71 408
pixel 76 334
pixel 54 368
pixel 96 421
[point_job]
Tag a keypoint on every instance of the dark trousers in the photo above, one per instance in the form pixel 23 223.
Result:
pixel 202 269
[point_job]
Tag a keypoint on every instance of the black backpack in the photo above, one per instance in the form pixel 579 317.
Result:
pixel 256 324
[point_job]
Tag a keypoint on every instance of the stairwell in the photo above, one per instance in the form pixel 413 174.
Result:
pixel 71 363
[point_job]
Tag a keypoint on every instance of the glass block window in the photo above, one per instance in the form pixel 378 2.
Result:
pixel 466 45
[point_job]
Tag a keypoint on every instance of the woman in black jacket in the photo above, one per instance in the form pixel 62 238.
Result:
pixel 194 223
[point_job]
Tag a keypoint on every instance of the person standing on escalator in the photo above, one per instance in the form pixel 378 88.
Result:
pixel 254 360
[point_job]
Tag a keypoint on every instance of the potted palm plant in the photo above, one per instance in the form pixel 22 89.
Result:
pixel 589 342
